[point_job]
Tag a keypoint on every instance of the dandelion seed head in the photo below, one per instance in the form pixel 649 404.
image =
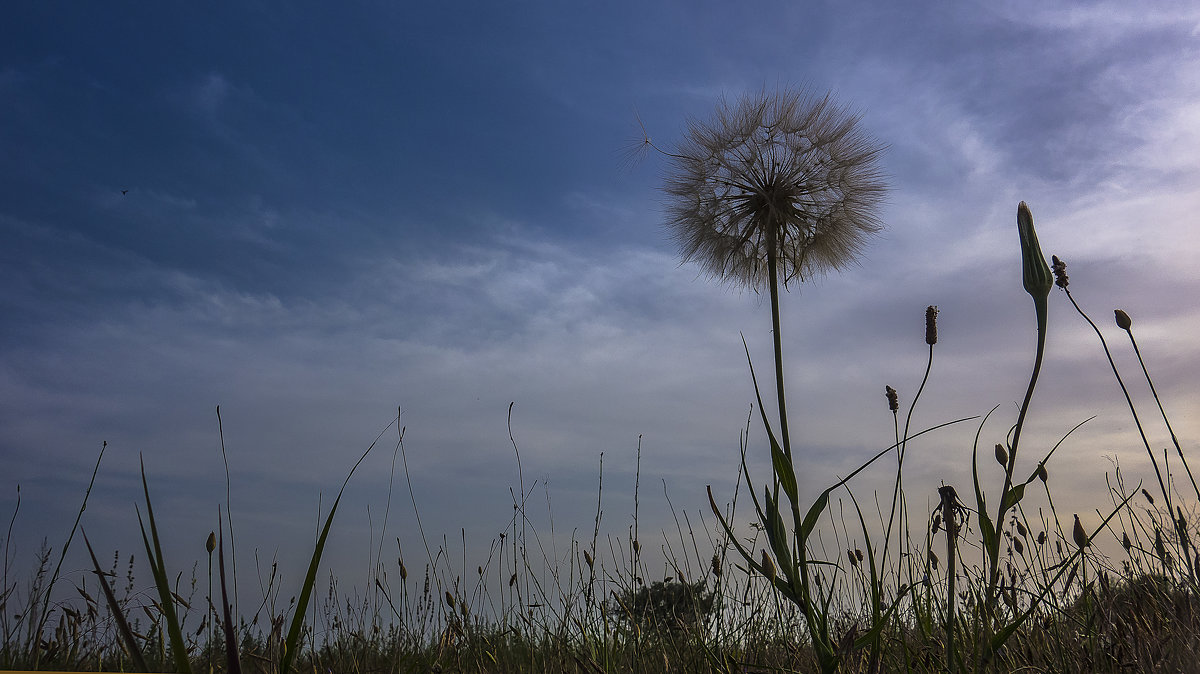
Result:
pixel 784 175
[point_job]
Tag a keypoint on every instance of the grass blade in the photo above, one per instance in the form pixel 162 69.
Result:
pixel 233 660
pixel 310 579
pixel 162 583
pixel 131 643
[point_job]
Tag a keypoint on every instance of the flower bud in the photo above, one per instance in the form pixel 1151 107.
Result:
pixel 1041 472
pixel 1123 320
pixel 1001 455
pixel 768 566
pixel 1036 275
pixel 211 543
pixel 1078 533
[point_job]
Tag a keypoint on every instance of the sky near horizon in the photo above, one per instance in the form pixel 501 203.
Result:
pixel 315 215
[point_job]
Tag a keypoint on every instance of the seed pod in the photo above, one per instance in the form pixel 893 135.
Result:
pixel 858 553
pixel 1041 538
pixel 1041 472
pixel 1148 496
pixel 893 398
pixel 1001 455
pixel 1018 546
pixel 931 313
pixel 1125 542
pixel 1080 536
pixel 1021 531
pixel 1123 320
pixel 853 559
pixel 211 543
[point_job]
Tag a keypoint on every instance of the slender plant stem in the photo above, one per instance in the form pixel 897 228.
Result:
pixel 773 273
pixel 1154 391
pixel 1128 400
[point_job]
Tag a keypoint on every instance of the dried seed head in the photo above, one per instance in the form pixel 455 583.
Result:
pixel 1123 320
pixel 512 580
pixel 1041 472
pixel 1041 538
pixel 1125 542
pixel 716 565
pixel 768 566
pixel 1001 455
pixel 785 178
pixel 1021 531
pixel 449 599
pixel 931 313
pixel 587 557
pixel 892 397
pixel 933 560
pixel 851 557
pixel 403 571
pixel 1148 496
pixel 1060 272
pixel 1018 546
pixel 1078 533
pixel 1158 544
pixel 858 553
pixel 211 543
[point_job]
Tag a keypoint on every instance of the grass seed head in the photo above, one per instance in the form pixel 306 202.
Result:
pixel 893 398
pixel 931 313
pixel 1125 542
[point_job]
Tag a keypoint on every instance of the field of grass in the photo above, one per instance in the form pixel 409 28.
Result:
pixel 997 580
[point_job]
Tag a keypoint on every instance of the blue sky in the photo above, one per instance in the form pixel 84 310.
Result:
pixel 335 211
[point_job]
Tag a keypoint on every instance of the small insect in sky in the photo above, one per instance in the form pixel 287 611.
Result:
pixel 124 192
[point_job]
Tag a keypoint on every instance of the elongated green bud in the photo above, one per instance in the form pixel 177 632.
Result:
pixel 1035 272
